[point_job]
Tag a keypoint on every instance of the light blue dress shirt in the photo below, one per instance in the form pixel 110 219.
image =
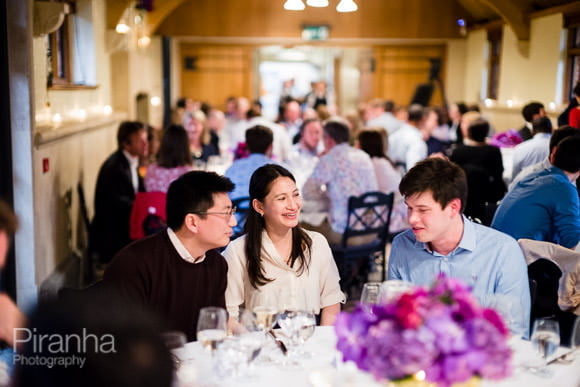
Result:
pixel 241 171
pixel 489 261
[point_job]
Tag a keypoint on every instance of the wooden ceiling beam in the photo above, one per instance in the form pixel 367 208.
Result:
pixel 161 10
pixel 515 16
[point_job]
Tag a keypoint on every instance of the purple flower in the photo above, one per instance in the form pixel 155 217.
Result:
pixel 441 330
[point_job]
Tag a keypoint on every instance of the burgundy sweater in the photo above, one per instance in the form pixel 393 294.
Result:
pixel 151 272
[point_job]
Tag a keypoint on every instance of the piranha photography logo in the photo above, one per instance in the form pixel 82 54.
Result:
pixel 59 350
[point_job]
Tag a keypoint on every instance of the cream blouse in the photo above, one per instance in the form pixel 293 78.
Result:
pixel 320 281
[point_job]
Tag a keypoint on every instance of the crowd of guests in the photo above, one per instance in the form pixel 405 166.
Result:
pixel 446 174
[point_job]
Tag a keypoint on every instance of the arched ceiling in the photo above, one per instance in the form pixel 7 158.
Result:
pixel 513 12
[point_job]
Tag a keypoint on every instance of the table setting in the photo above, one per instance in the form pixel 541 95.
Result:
pixel 398 336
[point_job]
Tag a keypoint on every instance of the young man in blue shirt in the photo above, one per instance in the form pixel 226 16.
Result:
pixel 443 240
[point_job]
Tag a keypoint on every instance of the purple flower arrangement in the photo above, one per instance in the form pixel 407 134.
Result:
pixel 441 331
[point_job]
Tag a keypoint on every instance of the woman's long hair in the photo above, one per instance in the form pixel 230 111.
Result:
pixel 260 186
pixel 373 142
pixel 174 149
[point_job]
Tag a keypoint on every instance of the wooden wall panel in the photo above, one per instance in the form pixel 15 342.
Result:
pixel 393 19
pixel 399 69
pixel 215 72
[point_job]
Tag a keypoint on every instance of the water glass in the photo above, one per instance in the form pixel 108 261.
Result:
pixel 371 293
pixel 211 327
pixel 391 290
pixel 546 337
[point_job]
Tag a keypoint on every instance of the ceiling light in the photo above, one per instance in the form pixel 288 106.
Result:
pixel 346 6
pixel 123 26
pixel 317 3
pixel 294 5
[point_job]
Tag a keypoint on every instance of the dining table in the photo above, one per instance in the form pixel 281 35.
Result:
pixel 325 367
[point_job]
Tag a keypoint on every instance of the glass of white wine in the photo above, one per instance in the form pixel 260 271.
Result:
pixel 211 327
pixel 546 340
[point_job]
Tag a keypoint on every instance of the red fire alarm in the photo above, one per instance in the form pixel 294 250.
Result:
pixel 45 165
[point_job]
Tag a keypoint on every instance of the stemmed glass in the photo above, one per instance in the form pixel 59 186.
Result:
pixel 371 294
pixel 545 339
pixel 298 323
pixel 211 327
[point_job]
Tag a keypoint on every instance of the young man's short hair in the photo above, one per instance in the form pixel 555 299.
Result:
pixel 531 109
pixel 566 155
pixel 259 138
pixel 542 125
pixel 561 133
pixel 193 193
pixel 444 179
pixel 478 129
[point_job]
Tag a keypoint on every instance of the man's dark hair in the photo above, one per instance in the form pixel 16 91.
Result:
pixel 531 109
pixel 8 221
pixel 126 129
pixel 193 192
pixel 337 130
pixel 416 113
pixel 259 138
pixel 306 123
pixel 566 156
pixel 542 125
pixel 561 133
pixel 445 179
pixel 389 106
pixel 478 130
pixel 462 107
pixel 181 103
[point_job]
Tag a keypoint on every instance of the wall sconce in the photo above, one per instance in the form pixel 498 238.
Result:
pixel 346 6
pixel 294 5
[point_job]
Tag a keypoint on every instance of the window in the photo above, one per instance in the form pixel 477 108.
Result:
pixel 494 37
pixel 70 50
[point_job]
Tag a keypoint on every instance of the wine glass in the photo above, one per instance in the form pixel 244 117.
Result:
pixel 298 323
pixel 371 293
pixel 545 340
pixel 211 327
pixel 265 309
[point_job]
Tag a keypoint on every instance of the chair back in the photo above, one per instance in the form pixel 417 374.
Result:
pixel 547 275
pixel 243 207
pixel 145 204
pixel 368 214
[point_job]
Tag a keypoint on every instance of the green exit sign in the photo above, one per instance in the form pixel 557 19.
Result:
pixel 315 32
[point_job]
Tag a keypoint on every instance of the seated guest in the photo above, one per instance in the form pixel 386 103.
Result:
pixel 259 143
pixel 574 115
pixel 483 167
pixel 376 114
pixel 117 183
pixel 107 343
pixel 10 316
pixel 177 272
pixel 291 120
pixel 201 143
pixel 173 160
pixel 276 257
pixel 304 155
pixel 443 240
pixel 557 136
pixel 342 172
pixel 535 150
pixel 530 112
pixel 406 145
pixel 544 205
pixel 388 178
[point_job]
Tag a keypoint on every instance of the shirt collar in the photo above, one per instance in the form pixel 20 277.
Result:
pixel 181 250
pixel 467 241
pixel 133 160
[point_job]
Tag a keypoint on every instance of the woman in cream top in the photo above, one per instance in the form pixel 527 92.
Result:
pixel 285 260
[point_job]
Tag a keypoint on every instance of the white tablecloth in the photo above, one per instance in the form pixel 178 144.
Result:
pixel 326 368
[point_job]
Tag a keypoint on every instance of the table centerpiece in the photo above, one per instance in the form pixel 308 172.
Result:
pixel 439 335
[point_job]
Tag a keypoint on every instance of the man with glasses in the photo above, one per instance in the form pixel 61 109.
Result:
pixel 177 272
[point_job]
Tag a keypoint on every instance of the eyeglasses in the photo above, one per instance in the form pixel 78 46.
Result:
pixel 228 214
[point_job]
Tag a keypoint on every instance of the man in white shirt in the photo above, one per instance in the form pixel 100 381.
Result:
pixel 536 149
pixel 406 145
pixel 376 115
